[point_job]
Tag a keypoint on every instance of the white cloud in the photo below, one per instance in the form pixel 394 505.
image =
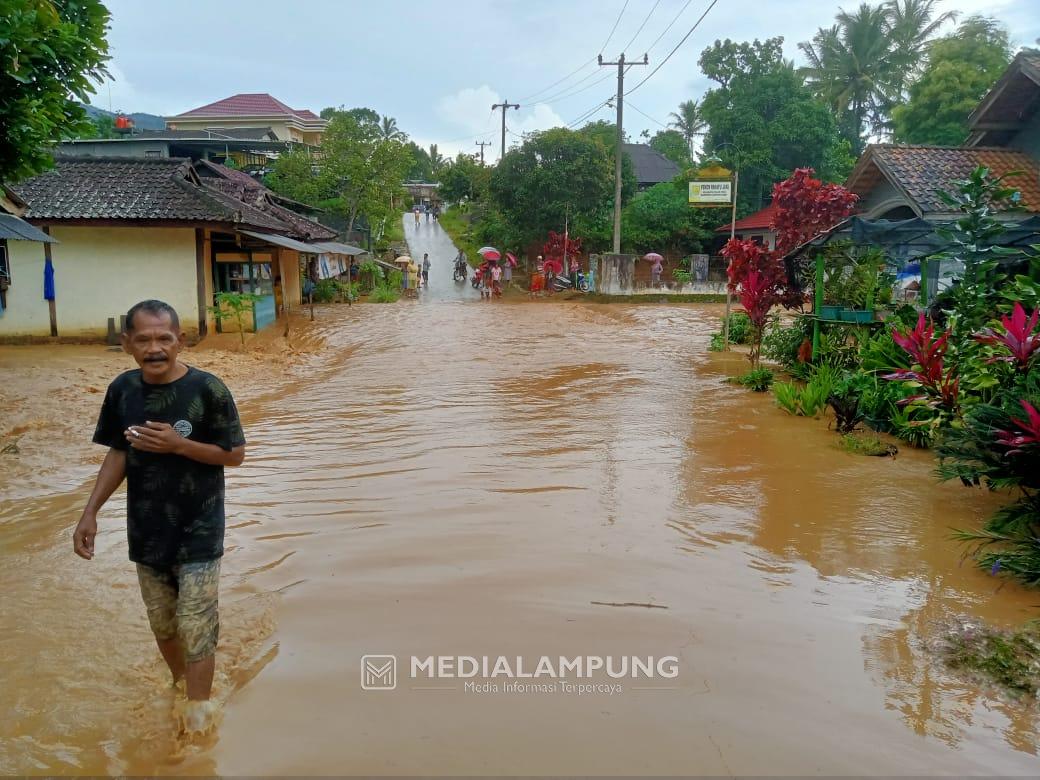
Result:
pixel 542 117
pixel 469 109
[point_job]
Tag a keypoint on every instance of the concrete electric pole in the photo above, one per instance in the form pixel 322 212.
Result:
pixel 482 144
pixel 620 137
pixel 504 107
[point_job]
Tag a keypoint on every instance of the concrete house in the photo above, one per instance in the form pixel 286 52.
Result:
pixel 253 110
pixel 134 228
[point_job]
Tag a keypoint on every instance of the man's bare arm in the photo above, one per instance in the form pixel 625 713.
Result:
pixel 110 476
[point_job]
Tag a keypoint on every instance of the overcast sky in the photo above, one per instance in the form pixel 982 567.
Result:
pixel 438 66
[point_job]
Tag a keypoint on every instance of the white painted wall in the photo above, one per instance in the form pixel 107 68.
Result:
pixel 100 273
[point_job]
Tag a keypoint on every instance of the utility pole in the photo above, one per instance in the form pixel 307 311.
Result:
pixel 620 136
pixel 482 144
pixel 504 107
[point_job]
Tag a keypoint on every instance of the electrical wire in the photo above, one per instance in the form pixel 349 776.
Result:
pixel 647 19
pixel 584 64
pixel 586 114
pixel 670 25
pixel 612 29
pixel 680 43
pixel 629 104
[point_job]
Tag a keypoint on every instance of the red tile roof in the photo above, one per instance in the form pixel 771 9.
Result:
pixel 760 220
pixel 921 170
pixel 247 104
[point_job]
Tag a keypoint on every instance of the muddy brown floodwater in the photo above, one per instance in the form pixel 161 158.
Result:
pixel 459 478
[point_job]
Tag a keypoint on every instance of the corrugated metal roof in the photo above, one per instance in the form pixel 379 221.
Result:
pixel 15 229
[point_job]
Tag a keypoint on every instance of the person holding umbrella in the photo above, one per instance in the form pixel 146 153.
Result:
pixel 655 269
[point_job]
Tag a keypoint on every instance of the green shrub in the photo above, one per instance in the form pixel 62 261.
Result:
pixel 325 291
pixel 781 344
pixel 808 401
pixel 758 379
pixel 715 345
pixel 739 328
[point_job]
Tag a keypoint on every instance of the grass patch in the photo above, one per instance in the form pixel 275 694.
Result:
pixel 758 379
pixel 866 444
pixel 1011 660
pixel 456 224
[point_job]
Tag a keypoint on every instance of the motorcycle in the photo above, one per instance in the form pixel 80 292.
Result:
pixel 561 283
pixel 461 272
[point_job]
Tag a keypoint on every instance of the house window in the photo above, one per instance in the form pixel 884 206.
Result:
pixel 5 272
pixel 152 153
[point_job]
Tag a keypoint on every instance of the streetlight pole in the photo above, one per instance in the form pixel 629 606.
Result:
pixel 732 235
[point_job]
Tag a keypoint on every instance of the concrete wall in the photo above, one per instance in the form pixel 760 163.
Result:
pixel 615 274
pixel 100 273
pixel 881 199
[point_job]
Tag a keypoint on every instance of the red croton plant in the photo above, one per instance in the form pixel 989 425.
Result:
pixel 805 207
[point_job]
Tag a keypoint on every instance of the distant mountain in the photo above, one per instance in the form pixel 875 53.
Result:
pixel 141 121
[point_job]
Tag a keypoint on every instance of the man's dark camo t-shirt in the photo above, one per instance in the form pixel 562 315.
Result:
pixel 174 505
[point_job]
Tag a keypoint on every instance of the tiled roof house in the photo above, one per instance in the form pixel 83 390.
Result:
pixel 900 182
pixel 127 229
pixel 253 110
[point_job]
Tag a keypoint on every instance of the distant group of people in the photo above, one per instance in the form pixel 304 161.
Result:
pixel 432 211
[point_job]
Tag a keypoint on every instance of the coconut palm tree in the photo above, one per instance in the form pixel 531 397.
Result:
pixel 912 24
pixel 852 67
pixel 688 121
pixel 390 131
pixel 861 65
pixel 437 160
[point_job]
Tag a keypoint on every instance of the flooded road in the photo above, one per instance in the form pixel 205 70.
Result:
pixel 462 478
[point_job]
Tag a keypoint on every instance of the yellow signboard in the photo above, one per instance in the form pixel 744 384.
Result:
pixel 711 192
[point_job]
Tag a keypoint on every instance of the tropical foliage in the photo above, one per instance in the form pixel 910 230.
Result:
pixel 51 50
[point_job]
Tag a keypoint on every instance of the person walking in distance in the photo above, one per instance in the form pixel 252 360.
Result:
pixel 426 269
pixel 415 211
pixel 655 273
pixel 170 430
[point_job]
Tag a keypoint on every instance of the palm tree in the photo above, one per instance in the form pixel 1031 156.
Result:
pixel 912 24
pixel 688 121
pixel 861 65
pixel 852 67
pixel 437 160
pixel 390 131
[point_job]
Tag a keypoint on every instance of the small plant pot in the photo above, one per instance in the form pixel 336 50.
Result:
pixel 829 312
pixel 857 315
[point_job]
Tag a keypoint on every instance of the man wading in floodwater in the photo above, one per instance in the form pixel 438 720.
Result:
pixel 170 430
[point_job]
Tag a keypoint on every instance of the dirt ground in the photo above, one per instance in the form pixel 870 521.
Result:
pixel 51 394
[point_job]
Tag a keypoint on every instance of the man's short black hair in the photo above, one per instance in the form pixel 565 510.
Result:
pixel 158 308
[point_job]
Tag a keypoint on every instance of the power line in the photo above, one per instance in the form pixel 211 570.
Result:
pixel 670 25
pixel 558 98
pixel 632 105
pixel 586 114
pixel 586 63
pixel 647 19
pixel 612 29
pixel 680 43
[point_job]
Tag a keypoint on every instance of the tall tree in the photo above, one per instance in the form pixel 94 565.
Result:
pixel 688 121
pixel 552 174
pixel 51 51
pixel 391 132
pixel 463 178
pixel 763 120
pixel 860 66
pixel 420 169
pixel 672 145
pixel 912 24
pixel 437 160
pixel 356 175
pixel 852 67
pixel 961 68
